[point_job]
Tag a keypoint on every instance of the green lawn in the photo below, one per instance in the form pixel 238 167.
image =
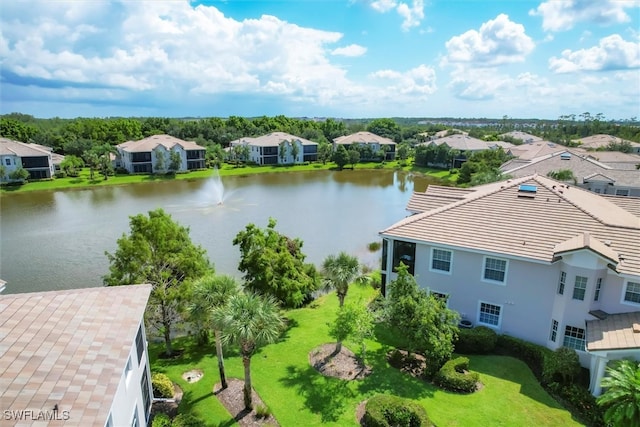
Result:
pixel 298 395
pixel 85 181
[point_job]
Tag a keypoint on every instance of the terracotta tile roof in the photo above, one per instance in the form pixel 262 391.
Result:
pixel 363 138
pixel 435 197
pixel 149 143
pixel 21 149
pixel 272 139
pixel 615 332
pixel 585 241
pixel 461 142
pixel 497 219
pixel 535 149
pixel 68 348
pixel 631 204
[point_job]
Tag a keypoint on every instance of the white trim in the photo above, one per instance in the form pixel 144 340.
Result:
pixel 499 325
pixel 624 291
pixel 484 268
pixel 434 270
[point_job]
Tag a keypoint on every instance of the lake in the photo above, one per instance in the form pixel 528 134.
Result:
pixel 57 240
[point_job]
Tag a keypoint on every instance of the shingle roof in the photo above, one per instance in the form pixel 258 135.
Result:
pixel 21 149
pixel 272 139
pixel 497 219
pixel 363 138
pixel 149 143
pixel 615 332
pixel 68 348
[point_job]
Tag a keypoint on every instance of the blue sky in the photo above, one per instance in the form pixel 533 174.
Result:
pixel 321 58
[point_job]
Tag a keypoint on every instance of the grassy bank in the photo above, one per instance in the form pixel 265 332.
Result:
pixel 298 395
pixel 85 181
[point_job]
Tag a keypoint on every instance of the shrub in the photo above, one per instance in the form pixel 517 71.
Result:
pixel 187 420
pixel 390 411
pixel 396 359
pixel 579 401
pixel 162 385
pixel 478 340
pixel 374 246
pixel 61 174
pixel 563 365
pixel 161 420
pixel 263 411
pixel 452 376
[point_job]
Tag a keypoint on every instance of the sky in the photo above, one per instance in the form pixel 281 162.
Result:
pixel 320 58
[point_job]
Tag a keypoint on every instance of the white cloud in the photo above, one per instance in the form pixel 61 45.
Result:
pixel 412 15
pixel 351 50
pixel 612 53
pixel 499 41
pixel 417 81
pixel 562 15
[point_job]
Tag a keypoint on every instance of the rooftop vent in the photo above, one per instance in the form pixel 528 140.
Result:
pixel 527 190
pixel 565 156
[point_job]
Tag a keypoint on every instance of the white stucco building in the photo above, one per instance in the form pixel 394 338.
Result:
pixel 277 148
pixel 155 154
pixel 531 257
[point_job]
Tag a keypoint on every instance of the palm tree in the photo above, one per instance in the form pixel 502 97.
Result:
pixel 621 400
pixel 340 271
pixel 249 321
pixel 209 293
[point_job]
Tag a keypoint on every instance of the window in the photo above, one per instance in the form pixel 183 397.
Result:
pixel 622 192
pixel 632 292
pixel 404 252
pixel 489 314
pixel 7 162
pixel 109 421
pixel 146 397
pixel 135 422
pixel 574 338
pixel 596 296
pixel 563 280
pixel 441 297
pixel 495 270
pixel 128 371
pixel 385 251
pixel 554 330
pixel 580 288
pixel 140 344
pixel 440 260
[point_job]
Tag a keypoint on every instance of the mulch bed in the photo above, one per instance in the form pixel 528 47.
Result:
pixel 169 408
pixel 232 398
pixel 344 365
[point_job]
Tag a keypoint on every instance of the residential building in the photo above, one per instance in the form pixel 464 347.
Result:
pixel 157 154
pixel 15 154
pixel 267 149
pixel 75 357
pixel 602 141
pixel 465 145
pixel 588 173
pixel 534 150
pixel 371 142
pixel 530 257
pixel 525 137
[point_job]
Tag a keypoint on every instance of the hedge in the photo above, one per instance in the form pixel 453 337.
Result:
pixel 390 411
pixel 478 340
pixel 452 376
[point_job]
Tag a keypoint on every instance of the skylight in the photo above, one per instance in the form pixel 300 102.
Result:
pixel 528 188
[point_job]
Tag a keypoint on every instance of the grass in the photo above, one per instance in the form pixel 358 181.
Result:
pixel 297 395
pixel 85 181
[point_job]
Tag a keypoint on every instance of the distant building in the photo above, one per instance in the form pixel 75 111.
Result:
pixel 526 138
pixel 373 142
pixel 601 141
pixel 530 257
pixel 154 155
pixel 76 356
pixel 35 160
pixel 466 145
pixel 267 149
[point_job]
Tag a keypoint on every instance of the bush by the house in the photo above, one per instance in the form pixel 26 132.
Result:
pixel 478 340
pixel 533 355
pixel 162 386
pixel 388 411
pixel 161 420
pixel 579 401
pixel 187 420
pixel 454 376
pixel 563 365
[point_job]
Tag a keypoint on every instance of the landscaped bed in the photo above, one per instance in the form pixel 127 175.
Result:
pixel 297 394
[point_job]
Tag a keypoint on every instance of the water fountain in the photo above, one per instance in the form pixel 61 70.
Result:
pixel 217 187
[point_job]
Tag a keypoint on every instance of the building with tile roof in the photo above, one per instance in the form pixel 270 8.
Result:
pixel 602 141
pixel 267 149
pixel 155 154
pixel 588 173
pixel 75 357
pixel 525 137
pixel 31 157
pixel 529 257
pixel 372 142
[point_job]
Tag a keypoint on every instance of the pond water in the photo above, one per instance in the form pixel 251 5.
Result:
pixel 57 240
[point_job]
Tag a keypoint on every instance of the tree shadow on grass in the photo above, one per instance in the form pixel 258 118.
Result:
pixel 326 396
pixel 189 401
pixel 289 325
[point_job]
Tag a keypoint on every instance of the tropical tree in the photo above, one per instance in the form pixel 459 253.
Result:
pixel 354 157
pixel 282 150
pixel 621 398
pixel 3 172
pixel 161 160
pixel 295 150
pixel 19 174
pixel 210 293
pixel 339 272
pixel 92 160
pixel 175 161
pixel 273 264
pixel 325 152
pixel 71 165
pixel 353 321
pixel 158 251
pixel 341 157
pixel 249 321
